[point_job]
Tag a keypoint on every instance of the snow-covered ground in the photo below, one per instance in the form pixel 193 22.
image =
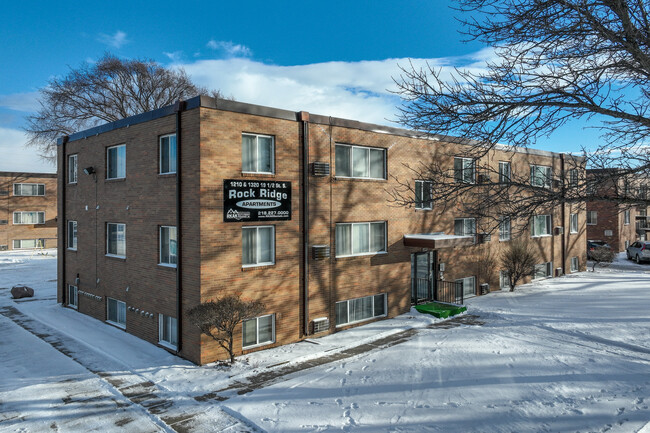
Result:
pixel 565 354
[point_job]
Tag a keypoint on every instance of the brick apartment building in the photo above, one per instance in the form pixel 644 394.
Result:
pixel 184 204
pixel 27 210
pixel 617 224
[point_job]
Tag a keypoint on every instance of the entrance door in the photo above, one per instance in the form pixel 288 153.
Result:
pixel 422 276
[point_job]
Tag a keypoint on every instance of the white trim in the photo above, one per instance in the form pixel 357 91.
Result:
pixel 548 219
pixel 257 149
pixel 385 295
pixel 76 168
pixel 351 160
pixel 257 332
pixel 76 304
pixel 571 216
pixel 422 188
pixel 257 250
pixel 28 212
pixel 369 253
pixel 107 240
pixel 76 239
pixel 160 153
pixel 31 184
pixel 107 160
pixel 160 262
pixel 162 342
pixel 118 302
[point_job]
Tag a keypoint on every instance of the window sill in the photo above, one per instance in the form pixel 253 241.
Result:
pixel 74 307
pixel 255 346
pixel 72 183
pixel 541 236
pixel 115 179
pixel 170 174
pixel 257 174
pixel 114 257
pixel 117 325
pixel 360 321
pixel 573 233
pixel 423 209
pixel 72 250
pixel 360 179
pixel 259 266
pixel 167 266
pixel 504 240
pixel 378 253
pixel 167 345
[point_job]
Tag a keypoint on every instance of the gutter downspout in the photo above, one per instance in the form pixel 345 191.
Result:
pixel 62 238
pixel 564 232
pixel 304 129
pixel 179 108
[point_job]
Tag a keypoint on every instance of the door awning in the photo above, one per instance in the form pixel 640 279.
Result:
pixel 437 241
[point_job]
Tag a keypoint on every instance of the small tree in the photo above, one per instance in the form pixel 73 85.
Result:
pixel 602 256
pixel 519 260
pixel 218 319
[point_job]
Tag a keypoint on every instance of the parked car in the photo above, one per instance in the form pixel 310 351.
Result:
pixel 591 244
pixel 639 251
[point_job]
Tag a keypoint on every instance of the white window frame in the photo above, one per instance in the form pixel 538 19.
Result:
pixel 118 304
pixel 108 160
pixel 348 301
pixel 352 245
pixel 573 223
pixel 72 168
pixel 351 162
pixel 503 178
pixel 72 235
pixel 573 177
pixel 19 217
pixel 545 177
pixel 420 203
pixel 575 264
pixel 169 324
pixel 160 153
pixel 73 301
pixel 259 343
pixel 108 240
pixel 549 226
pixel 626 217
pixel 505 235
pixel 461 173
pixel 38 243
pixel 464 233
pixel 592 217
pixel 548 270
pixel 257 152
pixel 471 279
pixel 160 247
pixel 504 280
pixel 18 189
pixel 259 246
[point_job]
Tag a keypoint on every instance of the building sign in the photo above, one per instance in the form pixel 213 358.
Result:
pixel 252 200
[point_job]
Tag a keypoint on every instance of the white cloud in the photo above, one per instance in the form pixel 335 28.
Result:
pixel 27 102
pixel 12 142
pixel 116 40
pixel 230 48
pixel 175 57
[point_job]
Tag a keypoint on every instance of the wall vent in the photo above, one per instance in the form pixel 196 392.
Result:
pixel 320 169
pixel 320 252
pixel 4 192
pixel 4 222
pixel 321 324
pixel 483 178
pixel 559 230
pixel 4 247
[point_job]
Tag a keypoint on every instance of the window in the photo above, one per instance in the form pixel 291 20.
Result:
pixel 574 264
pixel 29 217
pixel 464 226
pixel 540 175
pixel 167 151
pixel 360 162
pixel 573 177
pixel 592 217
pixel 167 331
pixel 573 223
pixel 29 189
pixel 116 312
pixel 258 246
pixel 116 162
pixel 504 229
pixel 72 169
pixel 258 331
pixel 540 225
pixel 257 153
pixel 504 280
pixel 464 170
pixel 468 285
pixel 360 309
pixel 423 195
pixel 116 240
pixel 642 211
pixel 354 239
pixel 168 245
pixel 626 217
pixel 73 296
pixel 504 172
pixel 543 270
pixel 72 235
pixel 28 243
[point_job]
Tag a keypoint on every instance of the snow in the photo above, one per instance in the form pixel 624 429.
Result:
pixel 562 354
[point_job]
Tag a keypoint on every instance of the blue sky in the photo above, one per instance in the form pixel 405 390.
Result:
pixel 333 58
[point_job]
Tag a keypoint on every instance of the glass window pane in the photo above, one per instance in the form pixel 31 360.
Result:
pixel 265 329
pixel 360 238
pixel 173 331
pixel 265 244
pixel 418 194
pixel 171 154
pixel 121 312
pixel 265 154
pixel 249 332
pixel 343 239
pixel 343 161
pixel 341 313
pixel 121 161
pixel 459 227
pixel 378 239
pixel 164 154
pixel 164 245
pixel 249 153
pixel 458 169
pixel 248 246
pixel 367 307
pixel 360 162
pixel 379 306
pixel 377 163
pixel 172 245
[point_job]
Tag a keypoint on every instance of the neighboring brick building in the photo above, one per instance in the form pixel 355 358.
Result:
pixel 617 224
pixel 27 210
pixel 321 258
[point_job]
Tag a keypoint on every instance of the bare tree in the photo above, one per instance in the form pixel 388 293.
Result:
pixel 601 256
pixel 218 319
pixel 518 260
pixel 555 61
pixel 108 90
